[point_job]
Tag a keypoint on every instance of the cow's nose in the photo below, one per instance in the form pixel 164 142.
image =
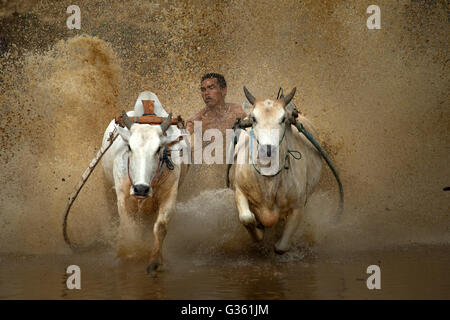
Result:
pixel 141 189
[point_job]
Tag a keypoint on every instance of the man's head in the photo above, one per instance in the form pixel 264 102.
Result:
pixel 214 89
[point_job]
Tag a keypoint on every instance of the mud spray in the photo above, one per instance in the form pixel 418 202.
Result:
pixel 379 99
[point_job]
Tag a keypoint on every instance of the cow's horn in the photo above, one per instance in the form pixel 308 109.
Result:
pixel 280 94
pixel 126 120
pixel 165 124
pixel 289 97
pixel 249 96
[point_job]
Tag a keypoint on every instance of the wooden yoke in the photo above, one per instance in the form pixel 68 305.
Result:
pixel 149 107
pixel 149 116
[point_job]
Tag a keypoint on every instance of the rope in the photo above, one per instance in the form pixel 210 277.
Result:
pixel 290 152
pixel 324 154
pixel 112 137
pixel 279 143
pixel 167 160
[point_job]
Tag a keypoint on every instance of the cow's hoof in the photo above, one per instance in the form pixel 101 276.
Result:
pixel 256 233
pixel 279 250
pixel 259 234
pixel 153 267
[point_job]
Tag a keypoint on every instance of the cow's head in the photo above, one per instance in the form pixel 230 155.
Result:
pixel 269 119
pixel 145 145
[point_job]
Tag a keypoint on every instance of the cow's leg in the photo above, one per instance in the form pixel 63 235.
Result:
pixel 165 212
pixel 246 217
pixel 128 229
pixel 291 225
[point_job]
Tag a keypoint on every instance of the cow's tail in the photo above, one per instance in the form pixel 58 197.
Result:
pixel 112 136
pixel 324 154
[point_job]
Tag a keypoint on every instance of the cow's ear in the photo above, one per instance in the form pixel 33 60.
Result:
pixel 247 108
pixel 124 133
pixel 291 111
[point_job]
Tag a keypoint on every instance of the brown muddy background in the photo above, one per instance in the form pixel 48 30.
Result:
pixel 379 99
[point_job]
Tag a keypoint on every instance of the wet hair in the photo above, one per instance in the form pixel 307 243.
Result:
pixel 220 79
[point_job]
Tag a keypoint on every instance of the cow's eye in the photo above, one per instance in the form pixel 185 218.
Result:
pixel 283 119
pixel 253 119
pixel 129 148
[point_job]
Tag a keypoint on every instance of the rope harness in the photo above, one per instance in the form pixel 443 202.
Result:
pixel 164 158
pixel 285 166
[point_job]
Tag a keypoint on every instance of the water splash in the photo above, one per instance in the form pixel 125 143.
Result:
pixel 378 99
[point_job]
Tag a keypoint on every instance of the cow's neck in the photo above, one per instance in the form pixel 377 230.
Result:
pixel 162 176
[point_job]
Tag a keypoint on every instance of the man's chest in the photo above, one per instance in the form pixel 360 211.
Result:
pixel 221 123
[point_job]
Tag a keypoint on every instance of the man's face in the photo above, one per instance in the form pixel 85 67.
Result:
pixel 212 93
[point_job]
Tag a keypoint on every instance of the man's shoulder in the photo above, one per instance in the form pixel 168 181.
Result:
pixel 236 108
pixel 196 116
pixel 234 105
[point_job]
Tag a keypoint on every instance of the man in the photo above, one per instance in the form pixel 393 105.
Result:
pixel 217 113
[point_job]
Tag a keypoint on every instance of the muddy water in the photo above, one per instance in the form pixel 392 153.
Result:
pixel 407 273
pixel 208 255
pixel 379 100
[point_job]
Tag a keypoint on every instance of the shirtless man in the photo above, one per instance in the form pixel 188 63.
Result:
pixel 217 113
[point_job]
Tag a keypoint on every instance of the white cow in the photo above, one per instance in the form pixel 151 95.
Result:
pixel 265 194
pixel 144 184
